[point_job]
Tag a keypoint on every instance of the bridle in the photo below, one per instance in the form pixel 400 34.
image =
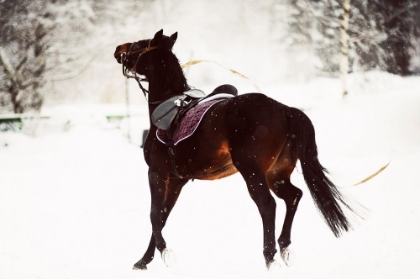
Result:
pixel 132 73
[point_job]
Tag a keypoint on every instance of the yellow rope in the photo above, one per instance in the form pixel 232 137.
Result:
pixel 372 175
pixel 194 62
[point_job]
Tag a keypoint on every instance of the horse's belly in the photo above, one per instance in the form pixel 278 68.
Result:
pixel 216 172
pixel 211 162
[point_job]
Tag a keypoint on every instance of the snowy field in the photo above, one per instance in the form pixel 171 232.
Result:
pixel 74 199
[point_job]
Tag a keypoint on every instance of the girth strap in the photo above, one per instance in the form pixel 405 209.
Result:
pixel 172 161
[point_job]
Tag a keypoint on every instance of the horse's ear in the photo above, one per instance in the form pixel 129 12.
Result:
pixel 174 36
pixel 158 37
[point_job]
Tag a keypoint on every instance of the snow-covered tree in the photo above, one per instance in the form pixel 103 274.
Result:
pixel 45 43
pixel 401 24
pixel 35 47
pixel 344 45
pixel 292 26
pixel 23 33
pixel 381 34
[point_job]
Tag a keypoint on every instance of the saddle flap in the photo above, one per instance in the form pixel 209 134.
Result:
pixel 165 113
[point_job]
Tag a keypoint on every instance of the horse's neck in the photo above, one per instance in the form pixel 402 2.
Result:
pixel 169 82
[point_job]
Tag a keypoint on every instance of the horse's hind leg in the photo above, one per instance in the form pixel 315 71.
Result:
pixel 260 193
pixel 164 193
pixel 148 256
pixel 280 184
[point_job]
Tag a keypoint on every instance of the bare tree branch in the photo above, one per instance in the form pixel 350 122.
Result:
pixel 409 7
pixel 75 73
pixel 4 60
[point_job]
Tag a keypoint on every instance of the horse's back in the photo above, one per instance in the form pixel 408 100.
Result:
pixel 255 109
pixel 247 115
pixel 250 126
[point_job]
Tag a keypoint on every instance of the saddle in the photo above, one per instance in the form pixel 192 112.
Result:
pixel 167 115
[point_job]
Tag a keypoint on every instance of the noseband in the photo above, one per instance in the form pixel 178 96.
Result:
pixel 132 73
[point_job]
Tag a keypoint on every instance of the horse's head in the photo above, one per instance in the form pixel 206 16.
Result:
pixel 154 60
pixel 143 56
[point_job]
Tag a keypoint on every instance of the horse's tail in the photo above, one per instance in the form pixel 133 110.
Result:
pixel 325 194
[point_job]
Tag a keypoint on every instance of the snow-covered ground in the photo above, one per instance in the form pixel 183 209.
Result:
pixel 74 199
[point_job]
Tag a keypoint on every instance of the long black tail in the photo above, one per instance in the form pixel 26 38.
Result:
pixel 325 194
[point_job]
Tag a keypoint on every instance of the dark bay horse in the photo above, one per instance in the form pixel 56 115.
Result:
pixel 252 134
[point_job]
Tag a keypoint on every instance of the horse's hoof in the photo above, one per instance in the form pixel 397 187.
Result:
pixel 139 266
pixel 135 267
pixel 168 257
pixel 288 256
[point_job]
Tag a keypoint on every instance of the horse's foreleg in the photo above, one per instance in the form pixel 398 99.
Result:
pixel 165 193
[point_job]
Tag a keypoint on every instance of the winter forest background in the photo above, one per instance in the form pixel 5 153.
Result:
pixel 56 51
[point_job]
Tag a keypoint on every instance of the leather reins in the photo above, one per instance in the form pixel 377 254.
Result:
pixel 132 73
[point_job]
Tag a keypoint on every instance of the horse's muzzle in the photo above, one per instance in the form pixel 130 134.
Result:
pixel 121 49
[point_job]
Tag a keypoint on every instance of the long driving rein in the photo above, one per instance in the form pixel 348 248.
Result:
pixel 131 73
